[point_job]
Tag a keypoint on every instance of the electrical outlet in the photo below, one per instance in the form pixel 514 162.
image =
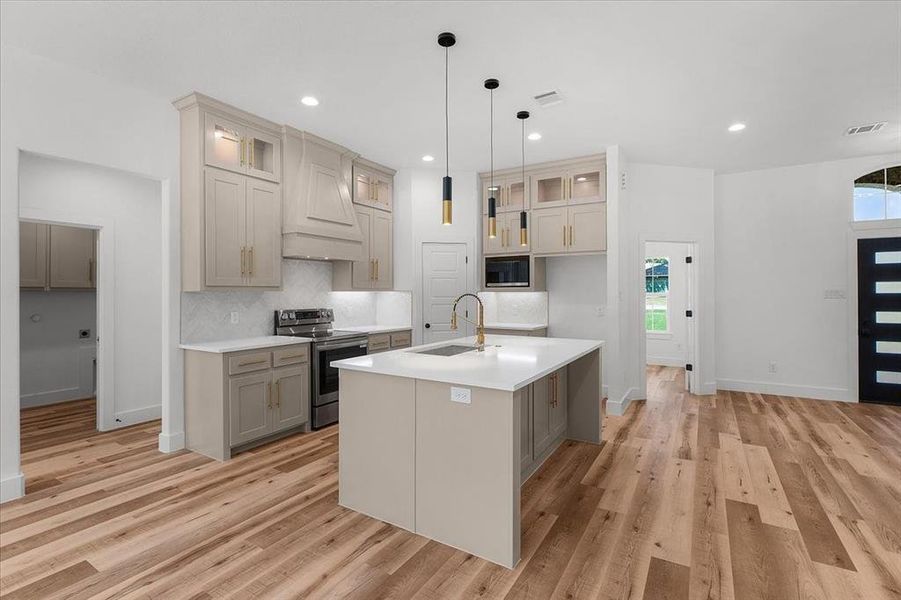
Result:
pixel 599 311
pixel 84 334
pixel 773 366
pixel 461 395
pixel 234 317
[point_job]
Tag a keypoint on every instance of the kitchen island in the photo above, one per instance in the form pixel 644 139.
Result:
pixel 439 443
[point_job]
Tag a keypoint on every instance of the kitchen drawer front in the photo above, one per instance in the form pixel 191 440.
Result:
pixel 379 342
pixel 401 339
pixel 246 363
pixel 290 356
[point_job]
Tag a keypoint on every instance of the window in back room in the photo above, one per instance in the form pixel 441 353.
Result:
pixel 877 195
pixel 656 285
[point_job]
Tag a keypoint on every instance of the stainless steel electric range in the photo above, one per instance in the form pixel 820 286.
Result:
pixel 328 345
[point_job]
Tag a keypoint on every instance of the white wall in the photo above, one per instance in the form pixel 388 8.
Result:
pixel 206 316
pixel 55 110
pixel 55 364
pixel 669 348
pixel 133 205
pixel 417 214
pixel 783 239
pixel 672 204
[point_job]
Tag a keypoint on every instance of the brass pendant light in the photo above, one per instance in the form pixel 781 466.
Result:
pixel 491 85
pixel 523 217
pixel 446 40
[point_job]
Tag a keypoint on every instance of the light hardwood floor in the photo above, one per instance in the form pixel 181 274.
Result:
pixel 733 496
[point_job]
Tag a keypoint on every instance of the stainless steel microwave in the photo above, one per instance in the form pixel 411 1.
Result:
pixel 507 271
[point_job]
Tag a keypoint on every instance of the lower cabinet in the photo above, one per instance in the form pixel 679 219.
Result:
pixel 240 398
pixel 523 332
pixel 380 342
pixel 543 413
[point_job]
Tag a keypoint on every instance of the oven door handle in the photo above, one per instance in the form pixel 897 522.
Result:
pixel 340 345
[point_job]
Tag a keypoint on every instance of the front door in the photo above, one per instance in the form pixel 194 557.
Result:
pixel 879 319
pixel 444 278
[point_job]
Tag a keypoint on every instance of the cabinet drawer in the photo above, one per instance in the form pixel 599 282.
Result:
pixel 401 339
pixel 379 342
pixel 290 356
pixel 245 363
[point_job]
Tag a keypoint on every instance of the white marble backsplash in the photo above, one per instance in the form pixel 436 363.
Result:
pixel 515 307
pixel 206 316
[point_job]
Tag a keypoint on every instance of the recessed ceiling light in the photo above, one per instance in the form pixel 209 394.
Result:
pixel 428 158
pixel 736 127
pixel 581 179
pixel 309 101
pixel 534 136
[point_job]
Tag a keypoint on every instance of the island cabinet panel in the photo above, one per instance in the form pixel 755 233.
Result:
pixel 468 470
pixel 541 415
pixel 378 447
pixel 524 399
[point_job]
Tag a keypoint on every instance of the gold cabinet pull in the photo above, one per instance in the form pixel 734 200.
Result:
pixel 251 261
pixel 91 271
pixel 278 393
pixel 242 151
pixel 564 235
pixel 252 362
pixel 290 356
pixel 376 269
pixel 243 252
pixel 571 237
pixel 269 393
pixel 252 152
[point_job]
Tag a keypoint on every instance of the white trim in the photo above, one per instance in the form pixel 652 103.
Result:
pixel 854 234
pixel 660 335
pixel 875 224
pixel 707 389
pixel 618 408
pixel 666 361
pixel 51 397
pixel 12 488
pixel 138 415
pixel 171 442
pixel 786 389
pixel 106 300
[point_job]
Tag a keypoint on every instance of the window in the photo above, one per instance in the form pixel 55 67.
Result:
pixel 877 195
pixel 656 287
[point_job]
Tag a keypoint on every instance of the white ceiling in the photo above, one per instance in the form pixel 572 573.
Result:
pixel 663 80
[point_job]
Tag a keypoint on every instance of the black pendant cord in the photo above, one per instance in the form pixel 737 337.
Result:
pixel 523 139
pixel 446 122
pixel 491 144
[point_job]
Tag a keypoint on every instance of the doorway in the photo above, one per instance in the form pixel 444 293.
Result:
pixel 668 318
pixel 879 319
pixel 445 275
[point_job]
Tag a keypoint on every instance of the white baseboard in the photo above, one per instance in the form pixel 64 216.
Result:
pixel 51 397
pixel 665 361
pixel 12 488
pixel 618 407
pixel 786 389
pixel 172 442
pixel 707 389
pixel 137 415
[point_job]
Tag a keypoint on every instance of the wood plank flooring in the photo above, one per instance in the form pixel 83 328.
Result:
pixel 734 496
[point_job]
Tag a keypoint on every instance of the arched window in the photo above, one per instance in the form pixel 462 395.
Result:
pixel 877 195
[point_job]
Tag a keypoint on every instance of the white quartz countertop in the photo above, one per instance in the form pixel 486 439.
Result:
pixel 517 326
pixel 376 328
pixel 508 363
pixel 266 341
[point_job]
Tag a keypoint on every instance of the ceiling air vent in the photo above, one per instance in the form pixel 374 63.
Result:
pixel 861 129
pixel 550 98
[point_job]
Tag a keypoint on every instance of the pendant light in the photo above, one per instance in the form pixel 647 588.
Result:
pixel 523 218
pixel 446 40
pixel 491 85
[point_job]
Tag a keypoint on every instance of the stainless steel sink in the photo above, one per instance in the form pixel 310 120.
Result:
pixel 449 350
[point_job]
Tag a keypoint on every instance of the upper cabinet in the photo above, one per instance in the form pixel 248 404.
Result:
pixel 373 185
pixel 231 197
pixel 57 257
pixel 375 270
pixel 231 145
pixel 570 184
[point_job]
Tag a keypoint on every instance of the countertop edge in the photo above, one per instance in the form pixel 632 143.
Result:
pixel 226 346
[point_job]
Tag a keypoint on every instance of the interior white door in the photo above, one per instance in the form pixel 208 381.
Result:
pixel 444 278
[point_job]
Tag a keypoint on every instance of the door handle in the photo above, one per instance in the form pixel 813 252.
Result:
pixel 243 252
pixel 428 325
pixel 864 329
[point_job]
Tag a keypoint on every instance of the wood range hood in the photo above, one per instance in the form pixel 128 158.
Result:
pixel 319 218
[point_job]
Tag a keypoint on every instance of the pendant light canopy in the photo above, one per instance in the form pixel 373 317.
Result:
pixel 491 85
pixel 446 40
pixel 523 218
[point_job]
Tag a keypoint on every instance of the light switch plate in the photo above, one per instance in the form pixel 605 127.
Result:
pixel 234 317
pixel 461 395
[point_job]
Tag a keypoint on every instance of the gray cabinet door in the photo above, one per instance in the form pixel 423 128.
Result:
pixel 292 396
pixel 363 271
pixel 33 255
pixel 381 249
pixel 264 234
pixel 541 416
pixel 249 407
pixel 525 443
pixel 225 212
pixel 558 404
pixel 71 257
pixel 549 229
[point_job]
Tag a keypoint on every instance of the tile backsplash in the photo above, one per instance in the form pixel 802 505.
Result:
pixel 515 307
pixel 206 316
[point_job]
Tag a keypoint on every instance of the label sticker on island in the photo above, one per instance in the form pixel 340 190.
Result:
pixel 461 395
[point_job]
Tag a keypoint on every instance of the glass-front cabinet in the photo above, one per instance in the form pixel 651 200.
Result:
pixel 580 184
pixel 587 184
pixel 511 193
pixel 241 149
pixel 549 188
